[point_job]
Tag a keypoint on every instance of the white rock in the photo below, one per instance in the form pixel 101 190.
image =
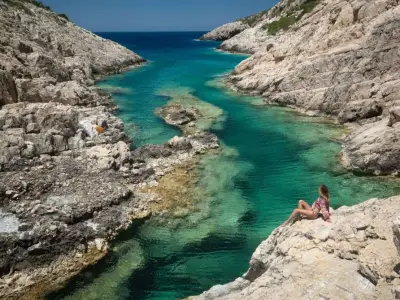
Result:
pixel 100 243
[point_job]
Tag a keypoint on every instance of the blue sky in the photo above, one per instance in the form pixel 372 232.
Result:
pixel 156 15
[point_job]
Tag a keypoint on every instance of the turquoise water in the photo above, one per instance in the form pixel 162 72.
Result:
pixel 271 158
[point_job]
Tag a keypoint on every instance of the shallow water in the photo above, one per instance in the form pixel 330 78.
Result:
pixel 271 158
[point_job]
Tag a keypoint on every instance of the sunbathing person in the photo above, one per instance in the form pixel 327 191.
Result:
pixel 320 207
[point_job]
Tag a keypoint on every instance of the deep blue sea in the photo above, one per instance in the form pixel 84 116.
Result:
pixel 271 157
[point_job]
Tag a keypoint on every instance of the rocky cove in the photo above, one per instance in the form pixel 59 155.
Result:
pixel 74 193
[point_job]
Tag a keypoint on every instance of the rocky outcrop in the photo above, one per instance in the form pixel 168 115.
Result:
pixel 66 191
pixel 225 31
pixel 70 181
pixel 63 202
pixel 319 260
pixel 338 58
pixel 373 148
pixel 189 113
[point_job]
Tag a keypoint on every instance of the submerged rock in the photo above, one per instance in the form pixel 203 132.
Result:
pixel 189 113
pixel 316 259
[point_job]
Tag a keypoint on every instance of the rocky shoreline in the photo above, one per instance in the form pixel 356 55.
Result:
pixel 70 181
pixel 330 58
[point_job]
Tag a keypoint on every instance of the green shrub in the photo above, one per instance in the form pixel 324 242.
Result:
pixel 285 22
pixel 282 24
pixel 308 6
pixel 254 19
pixel 41 5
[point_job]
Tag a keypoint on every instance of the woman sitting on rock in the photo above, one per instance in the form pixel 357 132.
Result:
pixel 320 206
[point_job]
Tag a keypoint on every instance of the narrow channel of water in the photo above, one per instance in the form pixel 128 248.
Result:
pixel 271 158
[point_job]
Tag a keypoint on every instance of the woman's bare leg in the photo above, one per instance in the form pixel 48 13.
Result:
pixel 298 211
pixel 304 205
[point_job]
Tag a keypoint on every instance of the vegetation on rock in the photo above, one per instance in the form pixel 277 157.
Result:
pixel 293 16
pixel 40 4
pixel 254 19
pixel 282 24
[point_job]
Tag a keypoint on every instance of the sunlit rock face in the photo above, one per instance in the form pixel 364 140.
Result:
pixel 225 32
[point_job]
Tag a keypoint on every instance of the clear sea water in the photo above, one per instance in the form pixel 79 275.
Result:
pixel 271 158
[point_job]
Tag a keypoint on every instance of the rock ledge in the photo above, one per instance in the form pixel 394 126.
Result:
pixel 352 258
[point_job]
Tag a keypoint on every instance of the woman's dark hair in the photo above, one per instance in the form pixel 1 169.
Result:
pixel 324 191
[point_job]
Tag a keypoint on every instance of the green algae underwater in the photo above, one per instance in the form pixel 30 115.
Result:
pixel 270 158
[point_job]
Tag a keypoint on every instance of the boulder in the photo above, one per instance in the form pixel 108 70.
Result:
pixel 180 143
pixel 373 148
pixel 394 116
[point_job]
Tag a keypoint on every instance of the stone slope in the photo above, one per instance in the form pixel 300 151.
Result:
pixel 337 57
pixel 352 258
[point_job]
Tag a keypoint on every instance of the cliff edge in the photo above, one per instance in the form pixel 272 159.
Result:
pixel 354 257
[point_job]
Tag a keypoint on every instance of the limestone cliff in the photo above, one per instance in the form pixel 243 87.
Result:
pixel 354 257
pixel 339 58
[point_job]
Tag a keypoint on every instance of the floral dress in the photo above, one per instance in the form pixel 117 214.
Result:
pixel 321 205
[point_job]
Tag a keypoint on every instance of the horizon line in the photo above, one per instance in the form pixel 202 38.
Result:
pixel 145 31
